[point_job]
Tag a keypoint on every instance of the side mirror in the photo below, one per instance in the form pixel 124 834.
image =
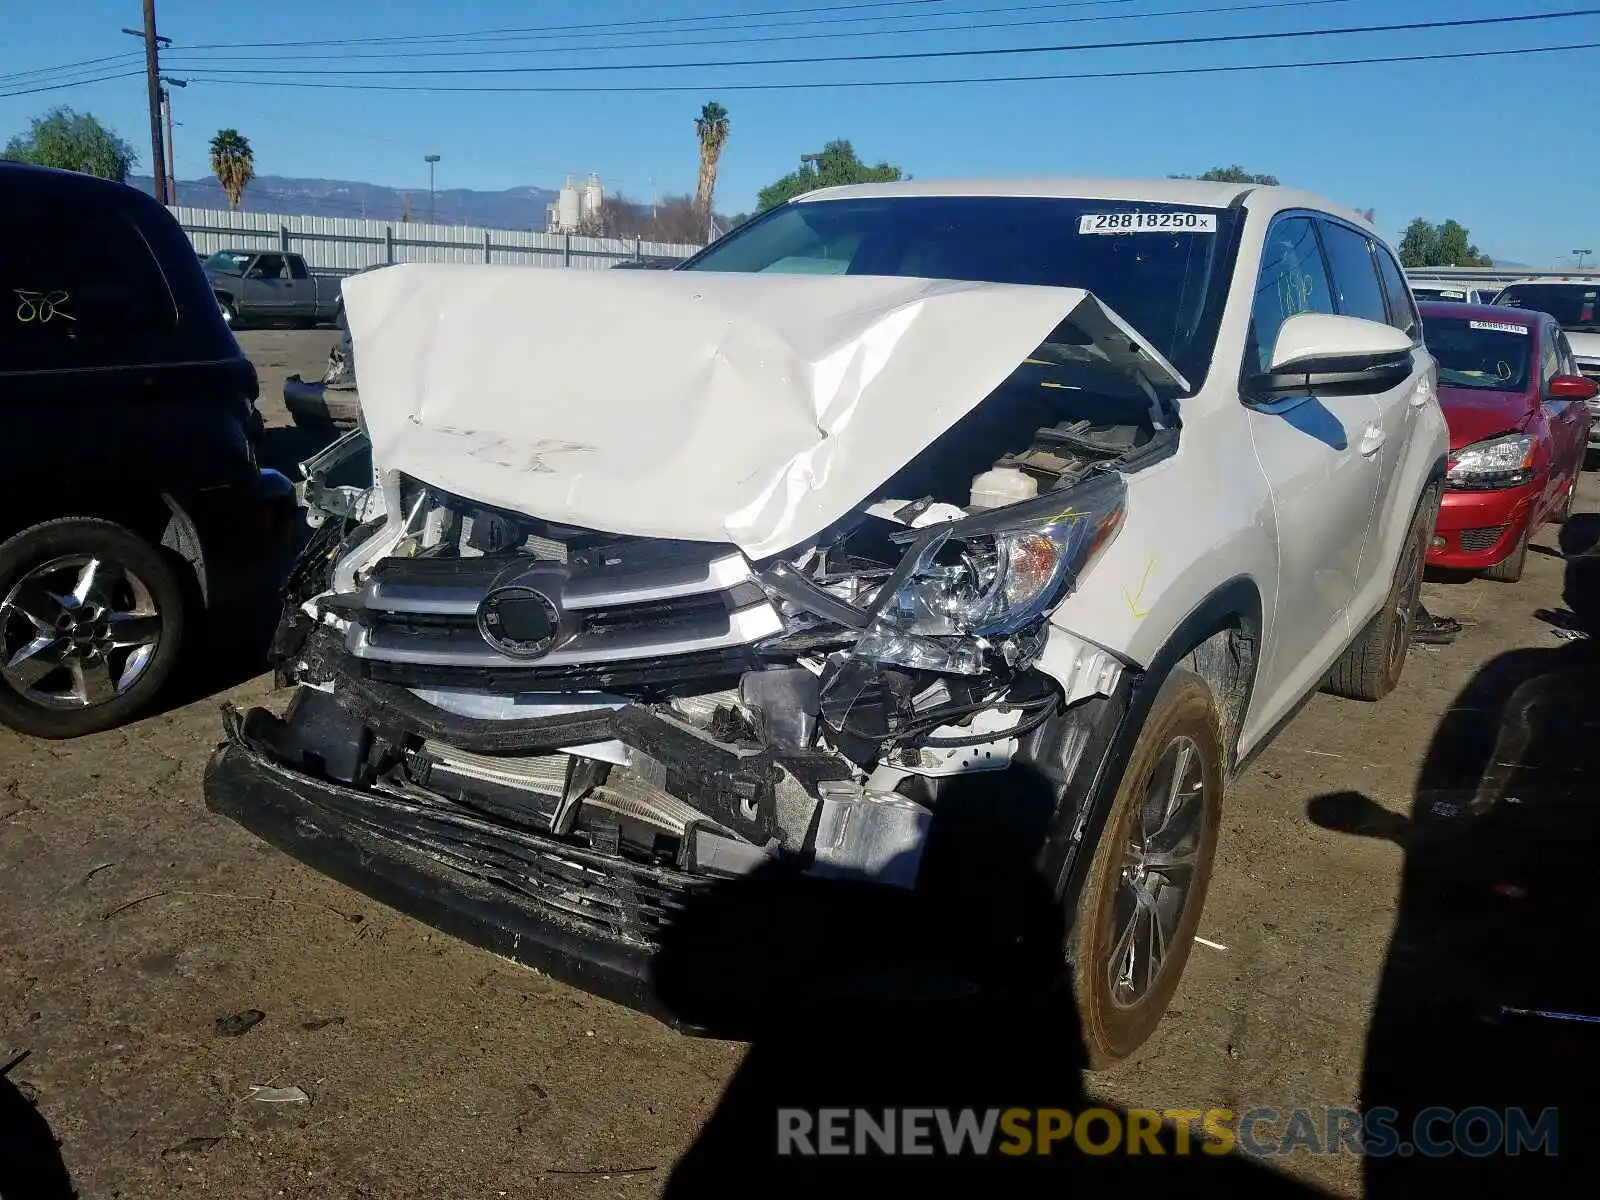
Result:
pixel 1321 352
pixel 1573 387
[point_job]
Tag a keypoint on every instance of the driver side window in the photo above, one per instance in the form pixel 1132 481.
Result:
pixel 1293 280
pixel 1549 358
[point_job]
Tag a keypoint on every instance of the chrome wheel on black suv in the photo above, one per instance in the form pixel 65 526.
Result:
pixel 89 626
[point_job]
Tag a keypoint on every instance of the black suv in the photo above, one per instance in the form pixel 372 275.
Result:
pixel 132 497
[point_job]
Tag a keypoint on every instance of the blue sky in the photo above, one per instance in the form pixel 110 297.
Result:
pixel 1480 140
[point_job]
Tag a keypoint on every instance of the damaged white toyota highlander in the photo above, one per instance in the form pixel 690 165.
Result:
pixel 1046 501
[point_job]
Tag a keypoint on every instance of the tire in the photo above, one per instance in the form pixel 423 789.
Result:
pixel 230 314
pixel 111 651
pixel 1563 514
pixel 1509 569
pixel 1371 666
pixel 1118 1015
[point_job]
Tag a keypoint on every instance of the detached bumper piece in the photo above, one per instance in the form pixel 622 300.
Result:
pixel 584 918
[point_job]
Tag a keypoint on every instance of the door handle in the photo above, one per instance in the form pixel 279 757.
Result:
pixel 1372 438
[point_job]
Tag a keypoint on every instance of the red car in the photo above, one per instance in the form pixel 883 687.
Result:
pixel 1519 429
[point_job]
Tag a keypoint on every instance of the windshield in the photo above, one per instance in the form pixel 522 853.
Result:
pixel 1440 294
pixel 1158 265
pixel 1491 356
pixel 1571 304
pixel 228 262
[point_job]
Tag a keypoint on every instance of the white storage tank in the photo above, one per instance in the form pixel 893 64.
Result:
pixel 594 197
pixel 569 206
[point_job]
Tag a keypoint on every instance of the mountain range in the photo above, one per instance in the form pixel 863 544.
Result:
pixel 514 208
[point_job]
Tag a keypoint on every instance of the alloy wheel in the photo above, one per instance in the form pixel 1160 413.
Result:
pixel 1406 604
pixel 1157 872
pixel 77 631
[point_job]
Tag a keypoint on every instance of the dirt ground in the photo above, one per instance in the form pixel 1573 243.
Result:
pixel 134 919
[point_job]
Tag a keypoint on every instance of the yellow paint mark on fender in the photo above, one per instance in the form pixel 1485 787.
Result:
pixel 1133 599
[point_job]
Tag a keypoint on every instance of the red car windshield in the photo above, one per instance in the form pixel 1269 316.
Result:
pixel 1492 356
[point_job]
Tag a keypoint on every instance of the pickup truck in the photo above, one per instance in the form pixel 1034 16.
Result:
pixel 269 287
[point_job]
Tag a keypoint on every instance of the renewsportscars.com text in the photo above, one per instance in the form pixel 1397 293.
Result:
pixel 1258 1132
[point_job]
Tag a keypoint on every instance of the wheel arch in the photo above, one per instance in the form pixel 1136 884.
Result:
pixel 157 517
pixel 1220 641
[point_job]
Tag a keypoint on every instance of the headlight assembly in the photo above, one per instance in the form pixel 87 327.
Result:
pixel 1500 462
pixel 983 580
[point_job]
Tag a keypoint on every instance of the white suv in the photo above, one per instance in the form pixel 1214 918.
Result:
pixel 1055 498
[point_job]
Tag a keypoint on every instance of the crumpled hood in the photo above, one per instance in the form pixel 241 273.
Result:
pixel 1474 414
pixel 753 409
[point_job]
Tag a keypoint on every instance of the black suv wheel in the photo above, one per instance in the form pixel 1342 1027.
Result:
pixel 91 621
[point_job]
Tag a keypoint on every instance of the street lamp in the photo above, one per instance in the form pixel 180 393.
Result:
pixel 1580 254
pixel 430 159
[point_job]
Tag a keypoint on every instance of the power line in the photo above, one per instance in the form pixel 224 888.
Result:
pixel 207 63
pixel 55 87
pixel 919 55
pixel 552 37
pixel 601 27
pixel 88 62
pixel 896 83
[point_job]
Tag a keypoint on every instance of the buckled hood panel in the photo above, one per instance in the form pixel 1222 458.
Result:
pixel 752 409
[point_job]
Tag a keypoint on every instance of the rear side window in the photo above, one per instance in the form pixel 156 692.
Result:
pixel 79 287
pixel 1355 274
pixel 297 267
pixel 1402 308
pixel 1293 280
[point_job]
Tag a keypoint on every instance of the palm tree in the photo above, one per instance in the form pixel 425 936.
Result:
pixel 712 126
pixel 233 163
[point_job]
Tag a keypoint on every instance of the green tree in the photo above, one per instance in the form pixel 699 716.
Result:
pixel 711 126
pixel 73 141
pixel 837 164
pixel 1233 174
pixel 1424 244
pixel 233 163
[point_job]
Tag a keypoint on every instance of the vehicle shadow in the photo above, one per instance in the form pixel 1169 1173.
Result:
pixel 30 1157
pixel 861 997
pixel 1497 906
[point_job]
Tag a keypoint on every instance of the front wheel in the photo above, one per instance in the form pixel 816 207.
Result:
pixel 1142 900
pixel 91 621
pixel 1510 568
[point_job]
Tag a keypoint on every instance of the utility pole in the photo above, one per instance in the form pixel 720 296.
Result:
pixel 1581 254
pixel 172 154
pixel 152 71
pixel 430 159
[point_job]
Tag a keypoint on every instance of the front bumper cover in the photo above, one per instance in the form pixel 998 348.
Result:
pixel 1480 528
pixel 379 849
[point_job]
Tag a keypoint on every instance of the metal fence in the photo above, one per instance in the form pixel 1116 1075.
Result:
pixel 342 245
pixel 1495 277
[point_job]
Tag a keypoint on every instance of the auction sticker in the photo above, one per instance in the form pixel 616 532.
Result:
pixel 1148 222
pixel 1498 327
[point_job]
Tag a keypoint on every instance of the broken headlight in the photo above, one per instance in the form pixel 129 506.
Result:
pixel 988 578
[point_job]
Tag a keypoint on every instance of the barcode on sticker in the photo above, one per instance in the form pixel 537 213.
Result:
pixel 1148 222
pixel 1498 327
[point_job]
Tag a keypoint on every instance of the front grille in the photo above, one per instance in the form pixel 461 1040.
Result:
pixel 1474 540
pixel 598 894
pixel 646 674
pixel 623 602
